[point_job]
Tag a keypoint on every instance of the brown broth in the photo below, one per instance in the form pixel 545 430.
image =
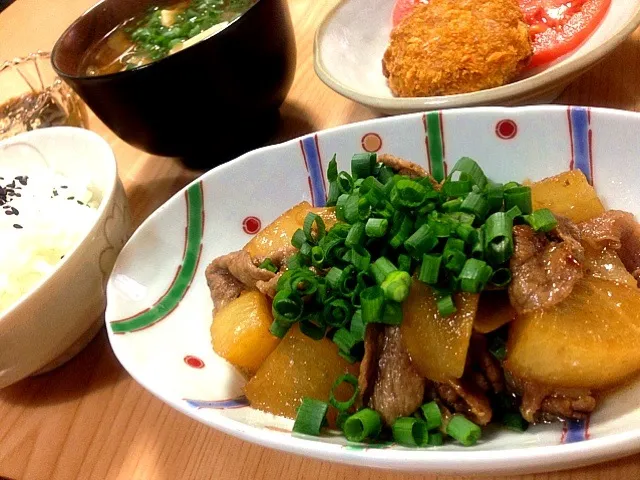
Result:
pixel 117 51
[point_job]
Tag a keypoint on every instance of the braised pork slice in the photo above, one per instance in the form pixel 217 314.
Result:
pixel 482 375
pixel 278 257
pixel 545 267
pixel 466 398
pixel 373 336
pixel 482 368
pixel 541 403
pixel 229 275
pixel 388 381
pixel 618 231
pixel 403 167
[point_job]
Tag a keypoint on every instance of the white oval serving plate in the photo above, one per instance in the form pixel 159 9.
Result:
pixel 159 307
pixel 351 40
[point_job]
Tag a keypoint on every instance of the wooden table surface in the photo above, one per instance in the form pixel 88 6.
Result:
pixel 89 418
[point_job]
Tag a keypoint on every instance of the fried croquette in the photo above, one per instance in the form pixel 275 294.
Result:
pixel 457 46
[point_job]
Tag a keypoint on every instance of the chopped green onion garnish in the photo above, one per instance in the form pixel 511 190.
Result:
pixel 351 210
pixel 267 264
pixel 468 169
pixel 456 188
pixel 436 439
pixel 514 421
pixel 346 405
pixel 287 307
pixel 279 330
pixel 385 174
pixel 462 218
pixel 408 194
pixel 376 227
pixel 477 249
pixel 317 256
pixel 495 196
pixel 396 286
pixel 334 194
pixel 467 233
pixel 446 306
pixel 518 197
pixel 340 230
pixel 404 263
pixel 381 268
pixel 442 229
pixel 310 418
pixel 463 430
pixel 341 418
pixel 410 432
pixel 303 282
pixel 309 222
pixel 312 330
pixel 361 425
pixel 299 238
pixel 453 244
pixel 513 213
pixel 476 204
pixel 349 358
pixel 372 302
pixel 344 340
pixel 421 242
pixel 452 206
pixel 474 275
pixel 345 182
pixel 355 235
pixel 337 313
pixel 334 277
pixel 360 258
pixel 541 220
pixel 332 170
pixel 357 325
pixel 373 190
pixel 392 314
pixel 400 232
pixel 362 164
pixel 432 415
pixel 430 269
pixel 305 250
pixel 454 260
pixel 498 238
pixel 501 277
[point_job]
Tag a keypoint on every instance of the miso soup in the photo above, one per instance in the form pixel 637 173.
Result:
pixel 159 32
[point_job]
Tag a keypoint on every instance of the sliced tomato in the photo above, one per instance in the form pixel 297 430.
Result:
pixel 559 26
pixel 403 8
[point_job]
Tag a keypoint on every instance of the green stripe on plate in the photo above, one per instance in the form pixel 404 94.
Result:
pixel 186 272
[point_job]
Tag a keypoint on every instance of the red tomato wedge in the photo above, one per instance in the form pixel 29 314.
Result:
pixel 403 8
pixel 559 26
pixel 556 26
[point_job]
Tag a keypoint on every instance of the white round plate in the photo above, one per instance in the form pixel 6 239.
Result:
pixel 159 307
pixel 353 37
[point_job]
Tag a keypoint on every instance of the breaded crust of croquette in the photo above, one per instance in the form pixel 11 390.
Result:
pixel 457 46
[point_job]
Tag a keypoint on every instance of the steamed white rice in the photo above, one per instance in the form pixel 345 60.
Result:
pixel 43 216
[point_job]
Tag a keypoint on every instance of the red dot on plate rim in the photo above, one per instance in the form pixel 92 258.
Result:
pixel 193 361
pixel 371 142
pixel 251 225
pixel 506 129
